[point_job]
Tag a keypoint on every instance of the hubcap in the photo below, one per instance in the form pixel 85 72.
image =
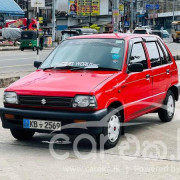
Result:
pixel 113 128
pixel 170 106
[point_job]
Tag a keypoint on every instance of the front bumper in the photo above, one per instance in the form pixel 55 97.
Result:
pixel 65 117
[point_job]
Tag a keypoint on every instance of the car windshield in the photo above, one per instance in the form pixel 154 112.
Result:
pixel 87 54
pixel 165 32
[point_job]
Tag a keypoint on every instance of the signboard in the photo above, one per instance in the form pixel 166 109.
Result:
pixel 121 7
pixel 152 6
pixel 37 3
pixel 126 24
pixel 72 5
pixel 88 7
pixel 115 12
pixel 40 20
pixel 152 16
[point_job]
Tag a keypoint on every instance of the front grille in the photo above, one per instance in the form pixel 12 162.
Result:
pixel 45 101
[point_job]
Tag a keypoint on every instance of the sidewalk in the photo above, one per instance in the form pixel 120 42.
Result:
pixel 7 79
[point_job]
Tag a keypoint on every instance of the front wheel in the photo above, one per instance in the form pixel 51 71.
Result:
pixel 112 130
pixel 166 113
pixel 22 49
pixel 22 134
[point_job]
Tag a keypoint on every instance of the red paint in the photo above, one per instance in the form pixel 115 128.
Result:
pixel 106 86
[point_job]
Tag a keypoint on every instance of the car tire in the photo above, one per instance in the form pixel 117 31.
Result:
pixel 22 134
pixel 22 49
pixel 112 130
pixel 166 113
pixel 34 48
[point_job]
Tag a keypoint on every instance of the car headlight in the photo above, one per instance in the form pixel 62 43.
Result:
pixel 10 97
pixel 83 101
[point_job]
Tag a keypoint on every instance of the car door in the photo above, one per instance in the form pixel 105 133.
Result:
pixel 137 91
pixel 160 71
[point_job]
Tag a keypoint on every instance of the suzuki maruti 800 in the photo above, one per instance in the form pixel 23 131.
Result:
pixel 94 84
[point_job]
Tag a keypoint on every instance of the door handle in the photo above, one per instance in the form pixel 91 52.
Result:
pixel 167 71
pixel 148 76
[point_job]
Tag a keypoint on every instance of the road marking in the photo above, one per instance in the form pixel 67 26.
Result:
pixel 15 59
pixel 16 66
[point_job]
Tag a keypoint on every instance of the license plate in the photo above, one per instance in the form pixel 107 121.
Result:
pixel 39 124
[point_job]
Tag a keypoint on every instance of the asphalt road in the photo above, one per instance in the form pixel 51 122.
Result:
pixel 17 61
pixel 149 150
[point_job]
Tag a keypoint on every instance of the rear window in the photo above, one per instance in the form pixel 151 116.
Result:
pixel 167 56
pixel 140 32
pixel 153 54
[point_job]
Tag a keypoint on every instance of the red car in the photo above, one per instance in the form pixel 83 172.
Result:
pixel 93 84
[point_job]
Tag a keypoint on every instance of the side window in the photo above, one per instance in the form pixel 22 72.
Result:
pixel 153 54
pixel 165 52
pixel 138 55
pixel 162 57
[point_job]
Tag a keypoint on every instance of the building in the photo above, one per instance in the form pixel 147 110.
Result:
pixel 159 13
pixel 96 12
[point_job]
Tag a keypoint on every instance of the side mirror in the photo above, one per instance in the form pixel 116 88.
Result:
pixel 135 67
pixel 37 64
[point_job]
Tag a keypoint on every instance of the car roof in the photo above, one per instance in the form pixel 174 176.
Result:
pixel 112 36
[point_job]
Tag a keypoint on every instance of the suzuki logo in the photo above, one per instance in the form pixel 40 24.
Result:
pixel 43 101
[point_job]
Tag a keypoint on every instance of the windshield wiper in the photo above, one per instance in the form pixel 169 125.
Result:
pixel 59 67
pixel 94 68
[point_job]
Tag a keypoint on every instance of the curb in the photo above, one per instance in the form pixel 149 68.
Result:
pixel 5 82
pixel 9 49
pixel 177 57
pixel 16 49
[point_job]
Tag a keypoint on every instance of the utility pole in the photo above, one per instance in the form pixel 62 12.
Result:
pixel 90 16
pixel 53 22
pixel 115 15
pixel 132 14
pixel 37 30
pixel 173 8
pixel 27 7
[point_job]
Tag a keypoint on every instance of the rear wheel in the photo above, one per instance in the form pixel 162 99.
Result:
pixel 22 49
pixel 34 48
pixel 21 134
pixel 111 131
pixel 166 113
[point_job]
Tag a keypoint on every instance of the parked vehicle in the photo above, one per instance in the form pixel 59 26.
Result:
pixel 11 34
pixel 147 27
pixel 175 31
pixel 29 40
pixel 77 32
pixel 158 33
pixel 97 82
pixel 165 34
pixel 141 30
